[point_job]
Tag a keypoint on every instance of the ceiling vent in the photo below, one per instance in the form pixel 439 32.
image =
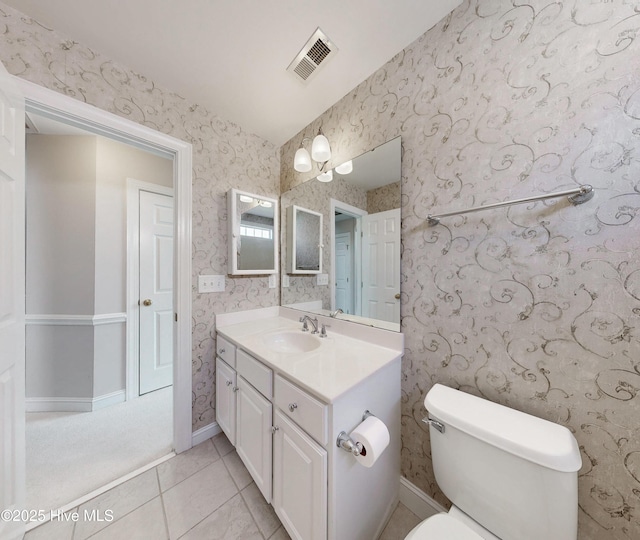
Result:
pixel 315 53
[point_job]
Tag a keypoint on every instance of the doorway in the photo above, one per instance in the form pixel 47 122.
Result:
pixel 56 106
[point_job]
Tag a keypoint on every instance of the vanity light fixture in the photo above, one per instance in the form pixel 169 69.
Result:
pixel 246 199
pixel 264 204
pixel 345 168
pixel 320 153
pixel 325 176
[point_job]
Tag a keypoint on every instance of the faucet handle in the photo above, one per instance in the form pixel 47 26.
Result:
pixel 323 330
pixel 305 326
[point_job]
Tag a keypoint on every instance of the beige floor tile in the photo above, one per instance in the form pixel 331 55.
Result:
pixel 145 523
pixel 222 444
pixel 57 529
pixel 190 501
pixel 263 513
pixel 183 465
pixel 238 471
pixel 280 534
pixel 401 522
pixel 121 500
pixel 232 521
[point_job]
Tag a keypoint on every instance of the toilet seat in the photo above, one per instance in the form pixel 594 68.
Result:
pixel 442 527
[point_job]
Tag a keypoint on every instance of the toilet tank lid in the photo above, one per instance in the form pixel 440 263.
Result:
pixel 529 437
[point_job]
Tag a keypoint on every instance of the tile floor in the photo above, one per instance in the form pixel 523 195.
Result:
pixel 205 493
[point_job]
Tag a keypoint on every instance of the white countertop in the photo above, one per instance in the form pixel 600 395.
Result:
pixel 338 364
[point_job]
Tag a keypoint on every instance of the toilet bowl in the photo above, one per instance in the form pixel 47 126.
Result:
pixel 509 475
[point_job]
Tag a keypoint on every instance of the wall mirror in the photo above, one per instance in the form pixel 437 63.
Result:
pixel 253 233
pixel 360 268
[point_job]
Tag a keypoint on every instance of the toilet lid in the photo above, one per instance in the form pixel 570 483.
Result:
pixel 442 527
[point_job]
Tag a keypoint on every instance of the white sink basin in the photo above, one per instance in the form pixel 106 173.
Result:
pixel 291 342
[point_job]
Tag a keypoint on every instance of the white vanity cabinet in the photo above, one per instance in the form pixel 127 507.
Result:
pixel 285 433
pixel 226 388
pixel 299 481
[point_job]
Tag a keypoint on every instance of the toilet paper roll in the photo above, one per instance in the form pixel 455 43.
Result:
pixel 374 437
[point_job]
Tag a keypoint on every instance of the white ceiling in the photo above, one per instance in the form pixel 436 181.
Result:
pixel 231 56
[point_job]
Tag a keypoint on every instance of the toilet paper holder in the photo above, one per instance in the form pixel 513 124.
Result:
pixel 347 443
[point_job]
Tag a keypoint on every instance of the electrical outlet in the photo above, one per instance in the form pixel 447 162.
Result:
pixel 322 279
pixel 208 284
pixel 273 281
pixel 285 280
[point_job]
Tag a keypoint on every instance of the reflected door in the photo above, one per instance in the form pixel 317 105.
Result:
pixel 156 291
pixel 344 271
pixel 380 268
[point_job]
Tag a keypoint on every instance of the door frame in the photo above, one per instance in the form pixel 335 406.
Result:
pixel 357 213
pixel 134 187
pixel 51 104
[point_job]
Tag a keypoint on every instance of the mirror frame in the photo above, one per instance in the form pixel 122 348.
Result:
pixel 234 234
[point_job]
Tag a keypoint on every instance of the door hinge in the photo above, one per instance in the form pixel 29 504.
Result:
pixel 175 316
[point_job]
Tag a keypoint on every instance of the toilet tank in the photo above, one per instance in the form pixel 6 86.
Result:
pixel 515 474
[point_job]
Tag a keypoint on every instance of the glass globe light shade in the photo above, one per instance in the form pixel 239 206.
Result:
pixel 326 176
pixel 345 168
pixel 320 149
pixel 302 160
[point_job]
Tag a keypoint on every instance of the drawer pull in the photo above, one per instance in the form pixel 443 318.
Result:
pixel 229 383
pixel 293 407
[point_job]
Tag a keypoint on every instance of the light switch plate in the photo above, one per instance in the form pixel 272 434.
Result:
pixel 273 280
pixel 322 279
pixel 285 280
pixel 212 283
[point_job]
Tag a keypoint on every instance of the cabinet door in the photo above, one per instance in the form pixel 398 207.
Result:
pixel 253 435
pixel 299 481
pixel 226 399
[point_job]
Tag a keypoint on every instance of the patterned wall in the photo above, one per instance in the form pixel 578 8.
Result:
pixel 224 156
pixel 384 198
pixel 537 306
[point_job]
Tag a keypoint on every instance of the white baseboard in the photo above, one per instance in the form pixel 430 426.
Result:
pixel 54 404
pixel 418 501
pixel 205 433
pixel 107 400
pixel 69 404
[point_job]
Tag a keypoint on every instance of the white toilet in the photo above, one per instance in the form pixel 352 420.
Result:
pixel 509 475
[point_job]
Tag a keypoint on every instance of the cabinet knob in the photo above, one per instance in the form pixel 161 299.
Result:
pixel 274 429
pixel 293 406
pixel 220 351
pixel 229 383
pixel 235 388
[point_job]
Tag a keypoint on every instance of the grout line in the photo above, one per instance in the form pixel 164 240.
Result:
pixel 164 510
pixel 101 490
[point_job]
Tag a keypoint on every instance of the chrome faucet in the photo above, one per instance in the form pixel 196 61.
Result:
pixel 335 313
pixel 314 322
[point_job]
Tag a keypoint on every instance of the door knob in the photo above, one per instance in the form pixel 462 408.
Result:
pixel 147 302
pixel 398 296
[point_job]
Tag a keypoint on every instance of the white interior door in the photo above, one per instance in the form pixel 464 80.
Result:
pixel 380 267
pixel 156 291
pixel 344 273
pixel 12 306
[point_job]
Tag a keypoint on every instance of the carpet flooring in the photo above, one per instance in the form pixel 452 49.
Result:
pixel 72 454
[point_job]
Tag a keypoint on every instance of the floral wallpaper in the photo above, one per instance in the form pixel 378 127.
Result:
pixel 224 156
pixel 384 198
pixel 536 306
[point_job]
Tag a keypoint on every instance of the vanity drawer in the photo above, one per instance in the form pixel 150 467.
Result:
pixel 226 350
pixel 255 372
pixel 304 410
